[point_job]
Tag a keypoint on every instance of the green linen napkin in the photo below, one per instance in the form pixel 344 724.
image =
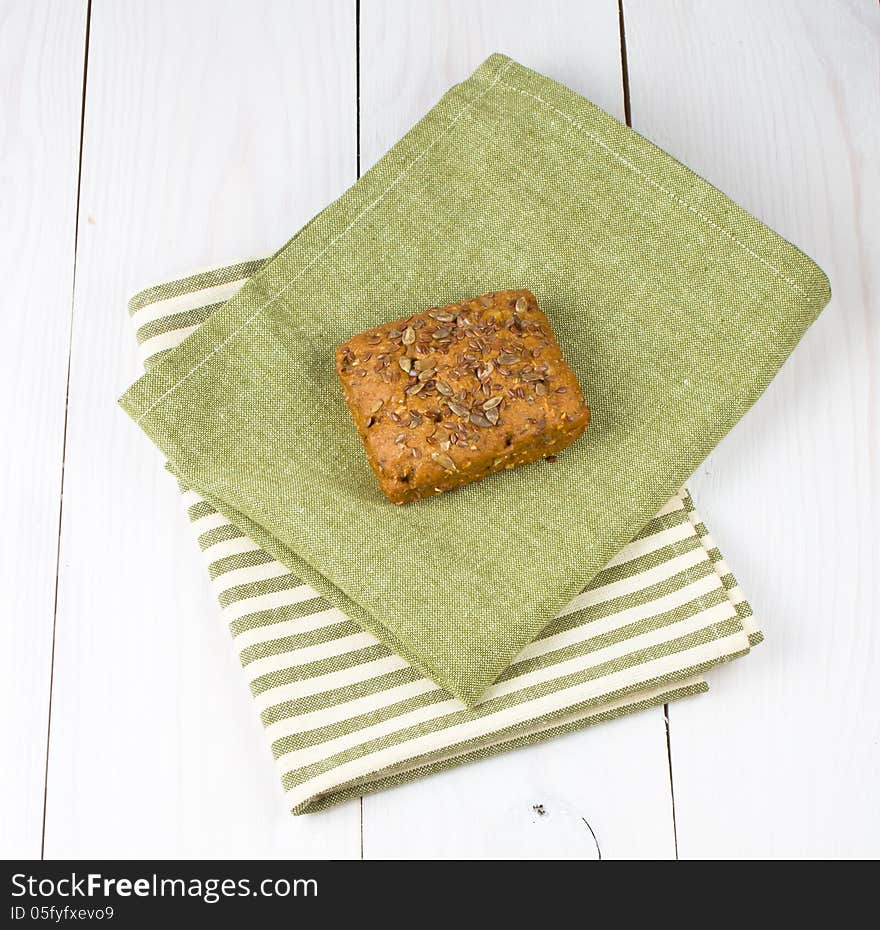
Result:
pixel 345 716
pixel 674 307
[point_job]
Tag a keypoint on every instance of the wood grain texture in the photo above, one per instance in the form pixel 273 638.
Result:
pixel 212 131
pixel 41 65
pixel 778 105
pixel 545 801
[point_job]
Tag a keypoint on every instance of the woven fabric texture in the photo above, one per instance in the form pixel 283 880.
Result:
pixel 345 716
pixel 674 307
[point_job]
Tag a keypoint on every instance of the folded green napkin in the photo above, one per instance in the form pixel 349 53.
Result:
pixel 345 716
pixel 674 307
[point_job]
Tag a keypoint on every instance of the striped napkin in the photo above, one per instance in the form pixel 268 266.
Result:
pixel 345 716
pixel 674 306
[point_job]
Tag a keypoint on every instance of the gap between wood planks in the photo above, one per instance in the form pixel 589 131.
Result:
pixel 627 115
pixel 628 119
pixel 627 111
pixel 82 124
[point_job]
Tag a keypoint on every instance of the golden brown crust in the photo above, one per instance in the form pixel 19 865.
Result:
pixel 447 396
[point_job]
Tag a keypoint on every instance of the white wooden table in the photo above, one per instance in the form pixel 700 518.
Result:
pixel 127 154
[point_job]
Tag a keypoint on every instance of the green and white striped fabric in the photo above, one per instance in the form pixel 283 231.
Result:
pixel 345 716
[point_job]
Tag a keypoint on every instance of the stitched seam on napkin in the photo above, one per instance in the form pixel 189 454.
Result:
pixel 368 623
pixel 334 792
pixel 677 548
pixel 331 243
pixel 540 730
pixel 495 81
pixel 679 200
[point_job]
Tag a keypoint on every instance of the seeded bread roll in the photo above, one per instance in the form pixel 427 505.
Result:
pixel 455 393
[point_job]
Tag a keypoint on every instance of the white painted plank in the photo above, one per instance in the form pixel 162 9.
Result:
pixel 41 64
pixel 614 776
pixel 778 104
pixel 213 131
